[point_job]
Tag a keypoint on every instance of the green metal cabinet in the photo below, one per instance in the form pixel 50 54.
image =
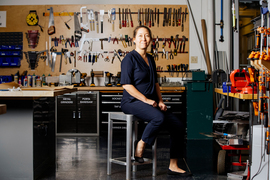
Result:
pixel 199 108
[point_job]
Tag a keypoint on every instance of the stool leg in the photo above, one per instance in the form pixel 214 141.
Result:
pixel 154 153
pixel 110 133
pixel 128 146
pixel 135 137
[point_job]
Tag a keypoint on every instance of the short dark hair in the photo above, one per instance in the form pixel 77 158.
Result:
pixel 138 27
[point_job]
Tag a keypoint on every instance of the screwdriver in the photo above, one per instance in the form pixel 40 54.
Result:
pixel 131 22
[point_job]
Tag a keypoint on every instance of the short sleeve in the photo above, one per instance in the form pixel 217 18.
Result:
pixel 127 71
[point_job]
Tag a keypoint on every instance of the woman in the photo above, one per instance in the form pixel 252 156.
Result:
pixel 142 98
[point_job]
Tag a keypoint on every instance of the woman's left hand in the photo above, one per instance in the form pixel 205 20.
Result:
pixel 162 106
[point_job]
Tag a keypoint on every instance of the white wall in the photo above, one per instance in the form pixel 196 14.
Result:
pixel 201 10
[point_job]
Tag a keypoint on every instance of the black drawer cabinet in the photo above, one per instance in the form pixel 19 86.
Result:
pixel 111 102
pixel 77 113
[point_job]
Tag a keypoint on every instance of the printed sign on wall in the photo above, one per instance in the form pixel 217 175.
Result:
pixel 3 18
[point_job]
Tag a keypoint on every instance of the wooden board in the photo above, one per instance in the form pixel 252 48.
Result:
pixel 16 22
pixel 102 88
pixel 236 95
pixel 32 94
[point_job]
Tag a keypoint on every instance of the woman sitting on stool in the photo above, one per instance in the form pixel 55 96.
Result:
pixel 142 98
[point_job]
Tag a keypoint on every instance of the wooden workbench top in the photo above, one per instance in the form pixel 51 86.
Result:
pixel 55 91
pixel 37 92
pixel 103 88
pixel 236 95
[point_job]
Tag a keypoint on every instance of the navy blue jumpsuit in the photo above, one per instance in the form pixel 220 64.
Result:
pixel 135 71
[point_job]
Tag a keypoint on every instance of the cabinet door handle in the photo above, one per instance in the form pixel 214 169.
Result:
pixel 79 114
pixel 74 114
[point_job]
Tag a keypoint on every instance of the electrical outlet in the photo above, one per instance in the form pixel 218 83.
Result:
pixel 194 59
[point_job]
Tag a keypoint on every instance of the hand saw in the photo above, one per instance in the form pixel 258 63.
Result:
pixel 51 27
pixel 77 28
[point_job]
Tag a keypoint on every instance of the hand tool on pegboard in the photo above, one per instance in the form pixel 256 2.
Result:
pixel 51 27
pixel 158 18
pixel 179 16
pixel 91 19
pixel 77 28
pixel 183 44
pixel 145 17
pixel 155 14
pixel 169 16
pixel 182 25
pixel 139 17
pixel 67 20
pixel 127 17
pixel 123 18
pixel 109 16
pixel 176 17
pixel 131 22
pixel 173 21
pixel 164 16
pixel 96 17
pixel 113 15
pixel 153 18
pixel 149 15
pixel 101 13
pixel 120 25
pixel 83 26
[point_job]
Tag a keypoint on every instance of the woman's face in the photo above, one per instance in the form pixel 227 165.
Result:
pixel 142 38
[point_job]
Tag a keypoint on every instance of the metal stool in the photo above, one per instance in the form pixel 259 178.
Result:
pixel 131 136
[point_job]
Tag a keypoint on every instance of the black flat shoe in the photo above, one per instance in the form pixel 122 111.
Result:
pixel 173 173
pixel 137 159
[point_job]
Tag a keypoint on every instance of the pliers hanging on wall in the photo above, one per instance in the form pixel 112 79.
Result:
pixel 115 54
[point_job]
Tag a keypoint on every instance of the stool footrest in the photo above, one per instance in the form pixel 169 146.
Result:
pixel 122 161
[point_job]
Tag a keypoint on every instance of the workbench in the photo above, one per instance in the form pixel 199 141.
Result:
pixel 27 132
pixel 236 95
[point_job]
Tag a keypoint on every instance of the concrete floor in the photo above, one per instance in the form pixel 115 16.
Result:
pixel 84 158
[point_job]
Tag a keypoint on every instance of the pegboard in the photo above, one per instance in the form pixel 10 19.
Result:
pixel 16 22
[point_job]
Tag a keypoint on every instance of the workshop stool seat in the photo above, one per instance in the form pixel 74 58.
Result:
pixel 131 136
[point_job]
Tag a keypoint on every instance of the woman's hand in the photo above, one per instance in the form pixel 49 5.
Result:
pixel 151 102
pixel 162 106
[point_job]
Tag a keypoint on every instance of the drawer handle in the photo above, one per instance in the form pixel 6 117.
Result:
pixel 74 114
pixel 79 114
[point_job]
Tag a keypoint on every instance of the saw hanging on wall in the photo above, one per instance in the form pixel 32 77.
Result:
pixel 51 27
pixel 32 19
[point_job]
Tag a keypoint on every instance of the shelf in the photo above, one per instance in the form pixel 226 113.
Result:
pixel 236 95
